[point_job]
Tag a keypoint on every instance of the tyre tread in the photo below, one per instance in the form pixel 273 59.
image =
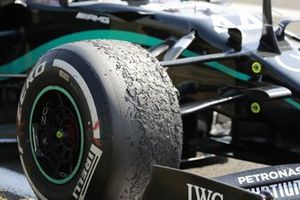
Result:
pixel 153 112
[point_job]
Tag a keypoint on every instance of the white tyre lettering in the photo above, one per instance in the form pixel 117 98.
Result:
pixel 29 78
pixel 35 72
pixel 22 95
pixel 87 172
pixel 21 151
pixel 39 69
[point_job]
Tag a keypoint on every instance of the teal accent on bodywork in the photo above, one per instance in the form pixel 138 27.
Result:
pixel 293 103
pixel 220 67
pixel 229 71
pixel 188 53
pixel 26 61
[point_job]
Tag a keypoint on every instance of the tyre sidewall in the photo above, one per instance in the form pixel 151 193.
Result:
pixel 36 82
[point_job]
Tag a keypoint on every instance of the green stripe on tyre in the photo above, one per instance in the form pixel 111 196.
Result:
pixel 67 94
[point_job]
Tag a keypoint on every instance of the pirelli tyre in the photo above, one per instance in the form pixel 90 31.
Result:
pixel 93 117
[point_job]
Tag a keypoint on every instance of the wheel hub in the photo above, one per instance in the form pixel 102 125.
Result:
pixel 56 134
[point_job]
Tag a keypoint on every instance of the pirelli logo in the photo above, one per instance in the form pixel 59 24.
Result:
pixel 87 172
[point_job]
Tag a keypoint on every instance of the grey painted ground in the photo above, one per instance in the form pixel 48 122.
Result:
pixel 220 169
pixel 13 184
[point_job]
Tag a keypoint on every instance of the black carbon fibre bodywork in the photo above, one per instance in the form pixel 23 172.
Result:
pixel 270 134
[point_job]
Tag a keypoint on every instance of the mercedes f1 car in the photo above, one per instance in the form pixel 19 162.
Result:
pixel 110 97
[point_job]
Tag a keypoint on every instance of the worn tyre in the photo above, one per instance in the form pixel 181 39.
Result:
pixel 93 117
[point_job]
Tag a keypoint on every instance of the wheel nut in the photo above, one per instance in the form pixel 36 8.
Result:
pixel 256 67
pixel 255 107
pixel 59 134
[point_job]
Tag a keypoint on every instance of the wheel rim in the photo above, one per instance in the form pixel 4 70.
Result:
pixel 56 134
